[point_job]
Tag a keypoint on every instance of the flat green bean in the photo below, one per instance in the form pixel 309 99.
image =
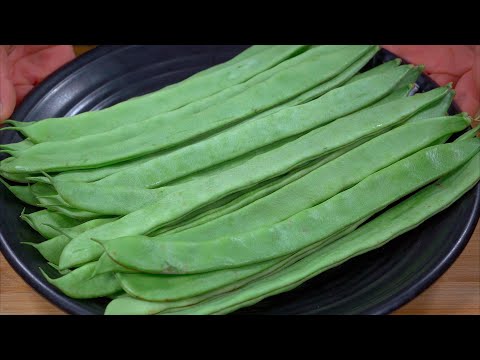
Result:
pixel 345 170
pixel 162 101
pixel 52 248
pixel 376 70
pixel 23 193
pixel 180 200
pixel 440 108
pixel 19 146
pixel 259 132
pixel 40 220
pixel 90 175
pixel 217 282
pixel 397 220
pixel 305 228
pixel 132 141
pixel 80 284
pixel 150 218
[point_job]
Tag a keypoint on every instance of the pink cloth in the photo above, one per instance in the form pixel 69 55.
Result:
pixel 22 67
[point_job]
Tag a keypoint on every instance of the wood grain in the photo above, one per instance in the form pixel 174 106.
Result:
pixel 456 292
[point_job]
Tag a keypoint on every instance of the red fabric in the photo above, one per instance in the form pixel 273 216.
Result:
pixel 459 64
pixel 22 67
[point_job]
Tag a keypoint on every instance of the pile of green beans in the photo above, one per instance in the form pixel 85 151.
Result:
pixel 240 182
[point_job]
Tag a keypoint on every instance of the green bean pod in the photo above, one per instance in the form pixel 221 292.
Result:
pixel 122 200
pixel 397 220
pixel 90 175
pixel 23 193
pixel 305 228
pixel 217 282
pixel 152 217
pixel 332 178
pixel 260 132
pixel 79 283
pixel 131 141
pixel 376 70
pixel 40 220
pixel 165 100
pixel 51 249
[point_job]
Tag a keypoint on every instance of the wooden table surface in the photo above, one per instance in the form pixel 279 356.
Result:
pixel 456 292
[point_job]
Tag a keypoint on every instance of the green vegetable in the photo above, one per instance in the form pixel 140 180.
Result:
pixel 40 221
pixel 305 228
pixel 259 132
pixel 52 248
pixel 131 141
pixel 162 101
pixel 401 218
pixel 187 198
pixel 79 283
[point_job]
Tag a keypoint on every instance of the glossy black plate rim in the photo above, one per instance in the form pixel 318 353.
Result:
pixel 383 308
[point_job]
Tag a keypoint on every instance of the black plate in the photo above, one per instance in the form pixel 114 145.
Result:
pixel 375 283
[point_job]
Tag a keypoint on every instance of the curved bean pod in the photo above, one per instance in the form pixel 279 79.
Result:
pixel 334 177
pixel 132 141
pixel 183 198
pixel 82 249
pixel 23 193
pixel 79 283
pixel 39 219
pixel 260 132
pixel 161 101
pixel 305 228
pixel 401 218
pixel 219 282
pixel 52 248
pixel 90 175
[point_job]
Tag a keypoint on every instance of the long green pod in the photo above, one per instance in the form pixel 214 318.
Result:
pixel 323 88
pixel 51 249
pixel 394 222
pixel 132 141
pixel 216 283
pixel 19 178
pixel 437 109
pixel 469 134
pixel 250 51
pixel 332 178
pixel 90 175
pixel 150 218
pixel 106 264
pixel 303 229
pixel 47 197
pixel 440 108
pixel 40 220
pixel 77 214
pixel 376 70
pixel 179 200
pixel 19 146
pixel 23 193
pixel 298 195
pixel 259 132
pixel 328 180
pixel 80 284
pixel 162 101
